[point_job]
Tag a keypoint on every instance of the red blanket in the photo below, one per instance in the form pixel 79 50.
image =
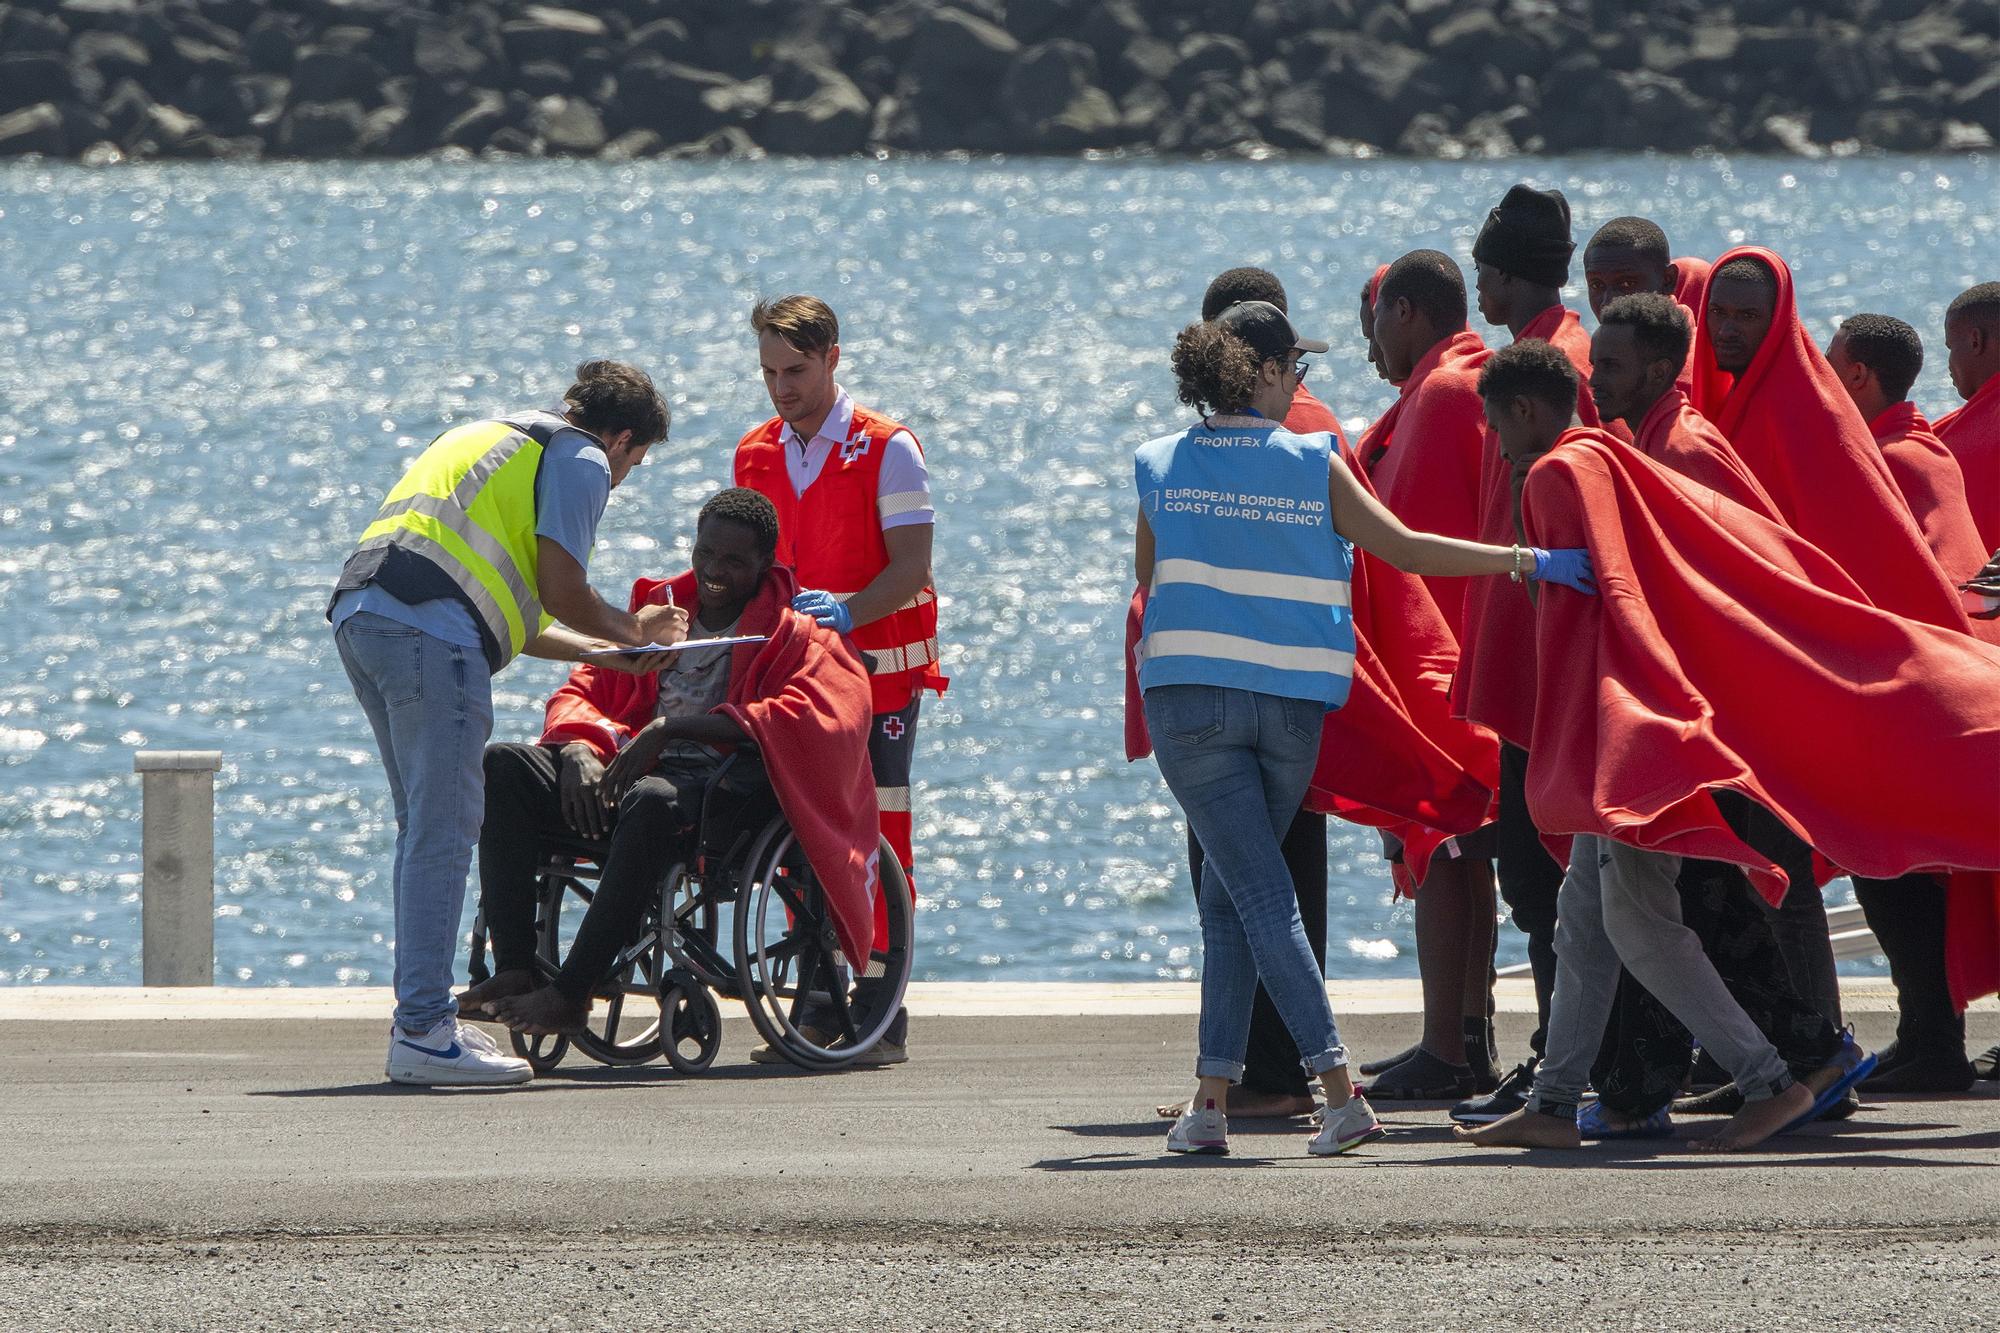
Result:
pixel 1690 276
pixel 1799 433
pixel 1308 414
pixel 804 698
pixel 1496 678
pixel 1972 433
pixel 1726 652
pixel 1676 436
pixel 1425 453
pixel 1930 482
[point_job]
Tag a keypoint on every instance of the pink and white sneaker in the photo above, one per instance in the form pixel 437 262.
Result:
pixel 1343 1128
pixel 1200 1130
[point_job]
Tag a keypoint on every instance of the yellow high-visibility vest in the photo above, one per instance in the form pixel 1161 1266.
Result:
pixel 467 505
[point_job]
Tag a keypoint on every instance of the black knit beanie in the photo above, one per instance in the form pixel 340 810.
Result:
pixel 1527 236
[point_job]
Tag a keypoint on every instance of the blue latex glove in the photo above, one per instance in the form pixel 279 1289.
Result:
pixel 1570 568
pixel 824 608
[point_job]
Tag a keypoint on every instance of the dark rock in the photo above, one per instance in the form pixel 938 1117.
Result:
pixel 1036 20
pixel 1898 129
pixel 666 37
pixel 1645 110
pixel 568 127
pixel 165 131
pixel 1783 134
pixel 953 45
pixel 323 74
pixel 322 129
pixel 660 95
pixel 45 76
pixel 1296 119
pixel 1046 76
pixel 1108 28
pixel 35 129
pixel 1963 137
pixel 1429 135
pixel 475 126
pixel 833 118
pixel 544 78
pixel 545 32
pixel 1495 134
pixel 1145 59
pixel 732 141
pixel 1978 102
pixel 1390 25
pixel 114 55
pixel 195 58
pixel 440 52
pixel 97 15
pixel 24 30
pixel 271 43
pixel 631 146
pixel 1215 117
pixel 511 141
pixel 738 103
pixel 1209 53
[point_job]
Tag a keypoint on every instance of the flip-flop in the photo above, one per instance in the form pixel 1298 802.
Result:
pixel 1591 1124
pixel 1856 1064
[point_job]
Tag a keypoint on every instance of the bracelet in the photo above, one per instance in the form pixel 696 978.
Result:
pixel 1520 556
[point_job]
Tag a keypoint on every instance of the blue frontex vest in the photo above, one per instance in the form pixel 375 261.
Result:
pixel 1250 580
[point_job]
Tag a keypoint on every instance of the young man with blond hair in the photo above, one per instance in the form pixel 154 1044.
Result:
pixel 855 523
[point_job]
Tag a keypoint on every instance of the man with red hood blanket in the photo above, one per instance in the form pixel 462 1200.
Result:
pixel 1629 257
pixel 1725 655
pixel 624 760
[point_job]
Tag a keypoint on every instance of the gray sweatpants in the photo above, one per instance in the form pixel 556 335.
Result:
pixel 1618 904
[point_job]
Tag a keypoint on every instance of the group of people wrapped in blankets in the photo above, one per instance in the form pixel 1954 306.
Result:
pixel 1662 627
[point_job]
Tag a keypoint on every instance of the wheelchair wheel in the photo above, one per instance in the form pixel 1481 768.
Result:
pixel 543 1051
pixel 690 1024
pixel 624 1026
pixel 788 964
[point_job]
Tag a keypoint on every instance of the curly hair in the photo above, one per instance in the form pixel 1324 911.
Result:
pixel 740 504
pixel 610 396
pixel 1242 284
pixel 1530 368
pixel 1887 346
pixel 1215 369
pixel 1658 324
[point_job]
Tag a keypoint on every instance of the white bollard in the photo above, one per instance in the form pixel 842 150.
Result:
pixel 177 894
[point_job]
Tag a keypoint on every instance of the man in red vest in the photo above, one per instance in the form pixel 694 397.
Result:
pixel 855 524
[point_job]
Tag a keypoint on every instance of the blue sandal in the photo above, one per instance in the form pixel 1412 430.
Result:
pixel 1592 1123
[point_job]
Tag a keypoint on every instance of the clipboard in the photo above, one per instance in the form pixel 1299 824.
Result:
pixel 600 654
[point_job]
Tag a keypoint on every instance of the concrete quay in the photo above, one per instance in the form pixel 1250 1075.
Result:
pixel 231 1158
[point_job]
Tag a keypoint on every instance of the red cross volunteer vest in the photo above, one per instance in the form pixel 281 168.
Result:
pixel 832 537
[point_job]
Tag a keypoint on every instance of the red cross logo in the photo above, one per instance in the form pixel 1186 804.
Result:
pixel 855 448
pixel 892 727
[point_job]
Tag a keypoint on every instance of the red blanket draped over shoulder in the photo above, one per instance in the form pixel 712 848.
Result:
pixel 1424 454
pixel 1799 433
pixel 1930 482
pixel 1690 276
pixel 804 698
pixel 1726 652
pixel 1495 686
pixel 1676 436
pixel 1972 433
pixel 1392 757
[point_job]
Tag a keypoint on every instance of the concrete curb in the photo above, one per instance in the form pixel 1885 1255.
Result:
pixel 931 999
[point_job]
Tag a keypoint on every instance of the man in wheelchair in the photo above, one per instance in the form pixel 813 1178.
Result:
pixel 621 766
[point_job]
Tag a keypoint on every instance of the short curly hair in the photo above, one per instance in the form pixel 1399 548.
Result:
pixel 740 504
pixel 1533 369
pixel 1247 283
pixel 1658 323
pixel 1887 346
pixel 1215 369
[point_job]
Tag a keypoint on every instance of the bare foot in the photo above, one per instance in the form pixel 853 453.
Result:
pixel 545 1011
pixel 1823 1078
pixel 1245 1104
pixel 473 1002
pixel 1522 1129
pixel 1758 1121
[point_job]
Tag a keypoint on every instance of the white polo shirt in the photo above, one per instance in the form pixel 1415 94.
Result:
pixel 903 492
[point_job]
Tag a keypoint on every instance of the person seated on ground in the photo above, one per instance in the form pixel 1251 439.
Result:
pixel 664 736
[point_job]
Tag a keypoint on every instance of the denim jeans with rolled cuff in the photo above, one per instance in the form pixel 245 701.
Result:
pixel 1239 763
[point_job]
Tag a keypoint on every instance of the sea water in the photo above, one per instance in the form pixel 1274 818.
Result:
pixel 212 373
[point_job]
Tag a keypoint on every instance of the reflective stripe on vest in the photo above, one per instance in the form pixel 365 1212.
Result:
pixel 1250 580
pixel 467 505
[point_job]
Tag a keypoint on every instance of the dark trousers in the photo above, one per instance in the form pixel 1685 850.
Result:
pixel 1529 881
pixel 1907 916
pixel 1271 1060
pixel 1647 1053
pixel 524 819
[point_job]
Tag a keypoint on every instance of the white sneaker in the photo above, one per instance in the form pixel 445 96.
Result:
pixel 1345 1127
pixel 1200 1131
pixel 452 1055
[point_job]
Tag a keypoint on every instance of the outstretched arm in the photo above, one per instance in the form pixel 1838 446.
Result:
pixel 1367 522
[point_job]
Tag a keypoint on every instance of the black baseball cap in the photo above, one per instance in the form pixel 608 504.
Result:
pixel 1266 329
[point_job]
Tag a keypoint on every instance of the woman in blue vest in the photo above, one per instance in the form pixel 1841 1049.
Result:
pixel 1244 541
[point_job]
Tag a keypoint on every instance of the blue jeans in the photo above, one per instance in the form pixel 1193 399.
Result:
pixel 1239 764
pixel 431 706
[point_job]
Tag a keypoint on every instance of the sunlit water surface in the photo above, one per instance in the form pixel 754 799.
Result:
pixel 212 374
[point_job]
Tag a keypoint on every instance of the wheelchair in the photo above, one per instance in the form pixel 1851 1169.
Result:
pixel 780 955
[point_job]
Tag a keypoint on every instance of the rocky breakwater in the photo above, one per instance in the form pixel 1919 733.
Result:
pixel 110 79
